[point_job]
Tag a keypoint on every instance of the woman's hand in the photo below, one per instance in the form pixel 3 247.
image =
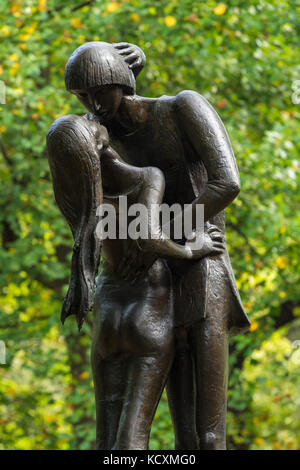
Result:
pixel 133 55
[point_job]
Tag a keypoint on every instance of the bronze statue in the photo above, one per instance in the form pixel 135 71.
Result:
pixel 163 313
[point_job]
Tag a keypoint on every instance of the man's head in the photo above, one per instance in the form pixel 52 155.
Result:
pixel 99 77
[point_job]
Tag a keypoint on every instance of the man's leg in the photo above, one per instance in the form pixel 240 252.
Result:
pixel 209 343
pixel 181 395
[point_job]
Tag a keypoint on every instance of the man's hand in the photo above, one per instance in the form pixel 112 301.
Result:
pixel 211 242
pixel 133 55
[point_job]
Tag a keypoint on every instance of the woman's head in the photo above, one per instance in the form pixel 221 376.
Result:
pixel 99 77
pixel 73 135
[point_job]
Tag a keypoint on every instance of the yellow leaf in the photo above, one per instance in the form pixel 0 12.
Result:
pixel 170 21
pixel 24 37
pixel 220 9
pixel 135 17
pixel 254 326
pixel 113 6
pixel 24 317
pixel 8 309
pixel 42 5
pixel 259 440
pixel 30 29
pixel 282 294
pixel 84 375
pixel 276 445
pixel 49 418
pixel 13 72
pixel 75 22
pixel 4 30
pixel 17 13
pixel 281 262
pixel 23 443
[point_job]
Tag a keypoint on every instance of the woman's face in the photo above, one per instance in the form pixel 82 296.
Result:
pixel 103 101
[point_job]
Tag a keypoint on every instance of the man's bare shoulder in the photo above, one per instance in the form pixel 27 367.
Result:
pixel 189 99
pixel 185 104
pixel 168 99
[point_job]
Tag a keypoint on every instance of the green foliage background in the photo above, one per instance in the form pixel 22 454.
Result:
pixel 244 58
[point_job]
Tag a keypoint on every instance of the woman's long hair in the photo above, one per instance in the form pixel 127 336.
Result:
pixel 75 166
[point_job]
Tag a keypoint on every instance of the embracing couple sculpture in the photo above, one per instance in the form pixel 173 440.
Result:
pixel 163 313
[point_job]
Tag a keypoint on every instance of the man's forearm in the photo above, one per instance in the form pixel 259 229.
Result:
pixel 215 197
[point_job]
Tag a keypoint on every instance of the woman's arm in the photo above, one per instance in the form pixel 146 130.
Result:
pixel 160 244
pixel 146 186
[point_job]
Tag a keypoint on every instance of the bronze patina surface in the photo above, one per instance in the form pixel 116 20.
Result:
pixel 162 314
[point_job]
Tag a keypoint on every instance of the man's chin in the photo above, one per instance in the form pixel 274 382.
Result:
pixel 105 117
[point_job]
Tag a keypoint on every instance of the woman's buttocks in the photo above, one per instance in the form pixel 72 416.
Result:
pixel 134 317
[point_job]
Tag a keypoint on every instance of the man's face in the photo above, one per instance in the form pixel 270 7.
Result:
pixel 102 101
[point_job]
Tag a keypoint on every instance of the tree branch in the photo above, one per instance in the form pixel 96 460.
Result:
pixel 236 228
pixel 5 156
pixel 84 4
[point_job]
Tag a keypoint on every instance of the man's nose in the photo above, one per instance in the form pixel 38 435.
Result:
pixel 94 103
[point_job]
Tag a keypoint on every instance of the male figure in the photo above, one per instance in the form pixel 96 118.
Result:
pixel 183 137
pixel 133 345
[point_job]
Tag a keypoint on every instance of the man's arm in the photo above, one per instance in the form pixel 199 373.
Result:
pixel 146 186
pixel 201 126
